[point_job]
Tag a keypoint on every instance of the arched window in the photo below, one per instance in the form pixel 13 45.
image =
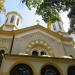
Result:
pixel 12 19
pixel 54 27
pixel 35 53
pixel 49 70
pixel 17 21
pixel 59 25
pixel 21 69
pixel 71 70
pixel 43 53
pixel 6 20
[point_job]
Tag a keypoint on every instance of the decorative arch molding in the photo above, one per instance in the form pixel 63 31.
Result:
pixel 51 64
pixel 38 42
pixel 40 46
pixel 50 70
pixel 22 62
pixel 23 69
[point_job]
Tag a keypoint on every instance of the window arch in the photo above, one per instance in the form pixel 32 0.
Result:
pixel 49 70
pixel 43 53
pixel 21 69
pixel 35 53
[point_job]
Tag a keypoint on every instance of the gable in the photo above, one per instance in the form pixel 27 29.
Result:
pixel 36 28
pixel 45 31
pixel 37 32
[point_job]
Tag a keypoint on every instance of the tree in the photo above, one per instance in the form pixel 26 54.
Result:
pixel 49 9
pixel 1 5
pixel 71 16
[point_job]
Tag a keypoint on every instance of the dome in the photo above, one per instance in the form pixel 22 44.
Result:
pixel 15 13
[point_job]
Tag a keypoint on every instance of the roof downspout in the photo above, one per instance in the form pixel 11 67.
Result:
pixel 12 42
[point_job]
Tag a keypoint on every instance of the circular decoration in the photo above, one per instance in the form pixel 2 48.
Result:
pixel 49 70
pixel 21 69
pixel 71 70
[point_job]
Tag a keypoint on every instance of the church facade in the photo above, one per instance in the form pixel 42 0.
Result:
pixel 35 50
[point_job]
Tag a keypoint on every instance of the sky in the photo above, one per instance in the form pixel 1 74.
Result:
pixel 29 16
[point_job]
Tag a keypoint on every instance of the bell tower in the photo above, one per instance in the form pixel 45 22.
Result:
pixel 13 19
pixel 56 27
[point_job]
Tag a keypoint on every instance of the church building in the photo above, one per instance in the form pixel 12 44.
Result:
pixel 35 50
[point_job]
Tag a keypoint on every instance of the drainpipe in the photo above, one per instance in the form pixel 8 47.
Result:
pixel 12 42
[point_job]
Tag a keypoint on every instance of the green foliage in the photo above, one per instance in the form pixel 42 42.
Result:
pixel 48 13
pixel 32 3
pixel 1 5
pixel 49 9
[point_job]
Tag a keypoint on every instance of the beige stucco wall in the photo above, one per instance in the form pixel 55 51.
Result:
pixel 22 43
pixel 36 63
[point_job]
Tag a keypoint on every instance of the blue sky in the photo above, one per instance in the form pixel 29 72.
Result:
pixel 29 17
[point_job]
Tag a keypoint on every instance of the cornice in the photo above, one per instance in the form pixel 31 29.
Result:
pixel 29 29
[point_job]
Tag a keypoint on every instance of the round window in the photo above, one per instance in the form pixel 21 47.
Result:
pixel 21 69
pixel 49 70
